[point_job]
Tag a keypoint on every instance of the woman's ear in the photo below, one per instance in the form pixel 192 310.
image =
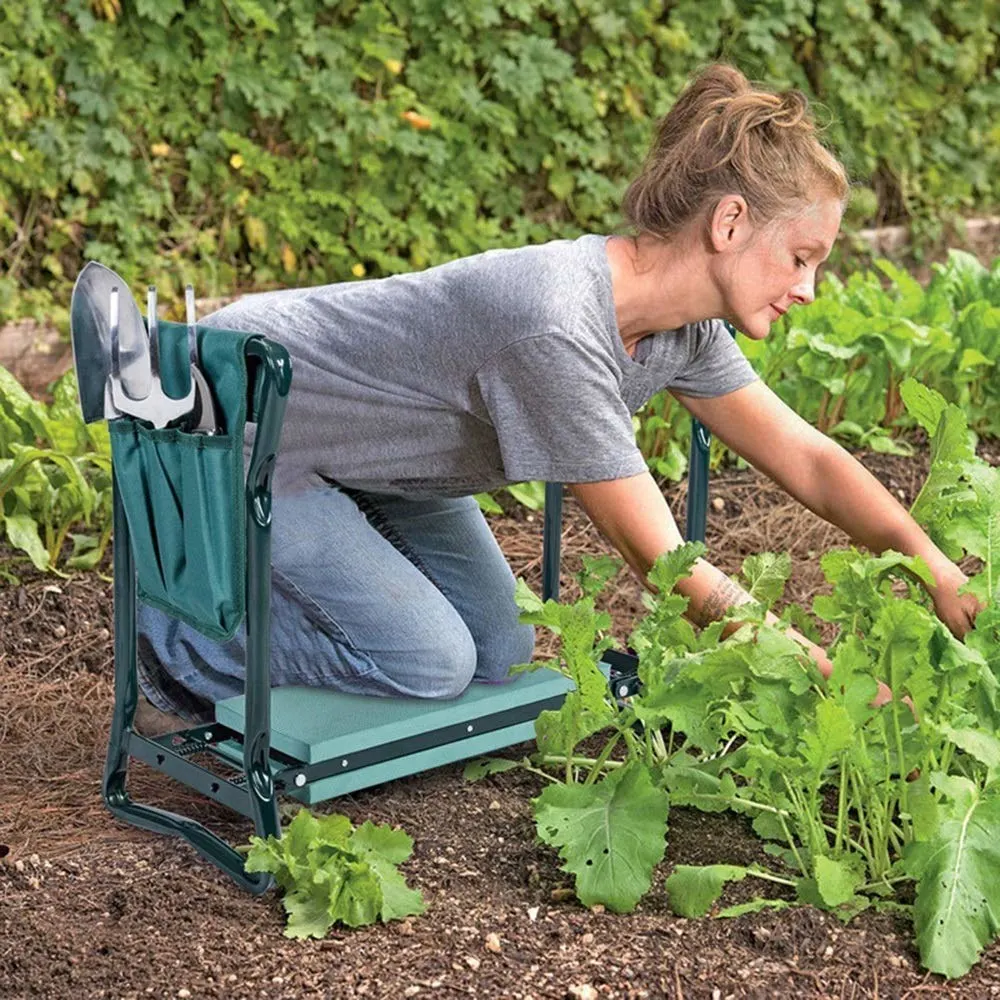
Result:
pixel 730 226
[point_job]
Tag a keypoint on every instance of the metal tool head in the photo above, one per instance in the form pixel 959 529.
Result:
pixel 155 406
pixel 90 327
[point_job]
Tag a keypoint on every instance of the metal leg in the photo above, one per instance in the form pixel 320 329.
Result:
pixel 552 541
pixel 697 508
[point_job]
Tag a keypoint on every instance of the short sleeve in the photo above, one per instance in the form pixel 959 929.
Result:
pixel 716 365
pixel 558 412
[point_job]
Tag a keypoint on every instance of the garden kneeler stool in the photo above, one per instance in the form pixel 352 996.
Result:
pixel 192 537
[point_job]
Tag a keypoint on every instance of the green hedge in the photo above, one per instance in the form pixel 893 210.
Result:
pixel 250 142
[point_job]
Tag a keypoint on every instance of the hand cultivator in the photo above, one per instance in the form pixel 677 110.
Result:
pixel 192 537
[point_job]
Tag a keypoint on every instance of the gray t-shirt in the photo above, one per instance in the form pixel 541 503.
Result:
pixel 498 368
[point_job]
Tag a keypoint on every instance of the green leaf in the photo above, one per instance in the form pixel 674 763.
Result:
pixel 22 532
pixel 487 504
pixel 354 890
pixel 476 770
pixel 693 889
pixel 384 848
pixel 673 566
pixel 983 746
pixel 530 495
pixel 610 834
pixel 837 879
pixel 308 913
pixel 833 734
pixel 957 908
pixel 596 572
pixel 767 574
pixel 526 599
pixel 754 906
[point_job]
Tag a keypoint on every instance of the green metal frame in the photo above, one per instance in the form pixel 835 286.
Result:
pixel 253 793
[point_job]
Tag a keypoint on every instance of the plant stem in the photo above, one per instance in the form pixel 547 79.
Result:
pixel 602 759
pixel 556 759
pixel 767 876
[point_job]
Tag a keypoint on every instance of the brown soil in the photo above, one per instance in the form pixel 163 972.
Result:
pixel 93 908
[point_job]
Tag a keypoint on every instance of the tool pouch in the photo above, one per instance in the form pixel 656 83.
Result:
pixel 184 493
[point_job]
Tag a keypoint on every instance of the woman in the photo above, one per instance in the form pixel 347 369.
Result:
pixel 413 392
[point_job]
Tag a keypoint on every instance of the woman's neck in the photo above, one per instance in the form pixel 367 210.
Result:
pixel 660 286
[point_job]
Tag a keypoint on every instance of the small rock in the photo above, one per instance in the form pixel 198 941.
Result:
pixel 406 927
pixel 183 992
pixel 562 893
pixel 472 962
pixel 597 908
pixel 718 503
pixel 828 951
pixel 532 913
pixel 493 943
pixel 583 992
pixel 59 631
pixel 411 991
pixel 587 938
pixel 495 804
pixel 716 993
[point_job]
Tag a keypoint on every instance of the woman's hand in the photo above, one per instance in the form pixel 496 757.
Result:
pixel 819 655
pixel 957 611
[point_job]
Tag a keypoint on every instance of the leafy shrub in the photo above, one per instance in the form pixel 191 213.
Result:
pixel 251 142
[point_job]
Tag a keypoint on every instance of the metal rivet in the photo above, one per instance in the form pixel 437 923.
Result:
pixel 300 780
pixel 343 763
pixel 623 691
pixel 468 729
pixel 207 736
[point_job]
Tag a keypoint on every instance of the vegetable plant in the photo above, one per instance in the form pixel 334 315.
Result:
pixel 332 872
pixel 853 802
pixel 55 477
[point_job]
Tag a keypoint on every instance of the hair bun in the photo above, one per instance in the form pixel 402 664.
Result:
pixel 724 135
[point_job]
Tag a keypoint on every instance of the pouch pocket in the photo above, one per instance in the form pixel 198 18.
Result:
pixel 183 499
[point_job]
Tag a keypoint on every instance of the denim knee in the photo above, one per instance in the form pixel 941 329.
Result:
pixel 504 650
pixel 442 670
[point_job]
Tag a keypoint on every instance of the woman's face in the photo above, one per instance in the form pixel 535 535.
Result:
pixel 776 267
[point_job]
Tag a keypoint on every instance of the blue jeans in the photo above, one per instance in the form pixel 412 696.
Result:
pixel 371 594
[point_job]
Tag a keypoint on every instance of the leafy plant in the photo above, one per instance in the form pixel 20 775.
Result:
pixel 852 800
pixel 334 873
pixel 55 477
pixel 255 142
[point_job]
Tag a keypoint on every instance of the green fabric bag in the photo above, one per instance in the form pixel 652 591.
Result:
pixel 184 493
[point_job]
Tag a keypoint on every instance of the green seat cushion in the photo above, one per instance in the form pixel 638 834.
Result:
pixel 317 724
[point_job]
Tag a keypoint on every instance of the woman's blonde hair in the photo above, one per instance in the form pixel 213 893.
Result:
pixel 724 136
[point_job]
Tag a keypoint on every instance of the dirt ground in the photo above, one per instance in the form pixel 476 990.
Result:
pixel 92 908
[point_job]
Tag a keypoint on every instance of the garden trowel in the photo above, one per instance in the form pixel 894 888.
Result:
pixel 117 362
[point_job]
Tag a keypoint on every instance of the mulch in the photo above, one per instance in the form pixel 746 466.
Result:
pixel 93 908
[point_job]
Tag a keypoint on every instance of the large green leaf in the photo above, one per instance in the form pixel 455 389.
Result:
pixel 692 889
pixel 384 848
pixel 957 909
pixel 610 834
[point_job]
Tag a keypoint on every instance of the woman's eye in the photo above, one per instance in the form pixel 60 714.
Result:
pixel 799 262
